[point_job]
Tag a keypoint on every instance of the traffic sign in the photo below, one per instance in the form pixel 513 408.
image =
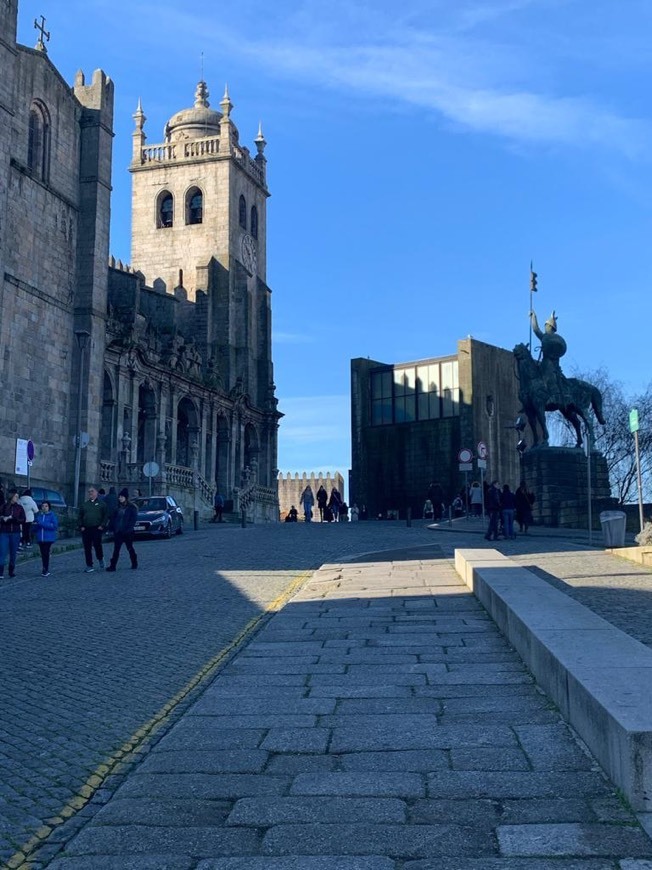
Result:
pixel 633 420
pixel 466 466
pixel 482 450
pixel 465 455
pixel 151 469
pixel 30 451
pixel 482 463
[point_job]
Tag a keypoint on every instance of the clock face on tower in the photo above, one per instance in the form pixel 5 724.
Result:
pixel 248 252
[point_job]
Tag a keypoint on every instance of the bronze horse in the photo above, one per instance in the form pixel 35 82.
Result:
pixel 537 397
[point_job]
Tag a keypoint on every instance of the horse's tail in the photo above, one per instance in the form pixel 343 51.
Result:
pixel 596 403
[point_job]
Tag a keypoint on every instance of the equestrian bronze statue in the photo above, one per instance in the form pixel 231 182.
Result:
pixel 544 387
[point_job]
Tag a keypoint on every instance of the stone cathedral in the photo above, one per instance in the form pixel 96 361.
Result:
pixel 107 367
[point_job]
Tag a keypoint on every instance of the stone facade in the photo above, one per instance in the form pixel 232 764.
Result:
pixel 406 433
pixel 291 486
pixel 168 360
pixel 559 479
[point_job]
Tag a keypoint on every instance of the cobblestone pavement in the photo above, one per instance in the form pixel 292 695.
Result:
pixel 87 660
pixel 378 722
pixel 90 660
pixel 617 589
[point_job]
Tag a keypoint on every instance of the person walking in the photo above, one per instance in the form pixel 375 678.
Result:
pixel 508 506
pixel 524 500
pixel 322 501
pixel 111 502
pixel 123 530
pixel 492 504
pixel 307 500
pixel 475 497
pixel 93 520
pixel 12 517
pixel 218 507
pixel 335 502
pixel 47 524
pixel 31 508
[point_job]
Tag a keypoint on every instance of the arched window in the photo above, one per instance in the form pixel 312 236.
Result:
pixel 165 211
pixel 38 143
pixel 254 222
pixel 194 206
pixel 243 212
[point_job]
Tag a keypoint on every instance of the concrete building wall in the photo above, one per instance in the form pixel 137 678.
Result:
pixel 394 464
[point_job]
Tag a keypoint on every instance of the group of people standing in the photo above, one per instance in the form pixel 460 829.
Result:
pixel 18 515
pixel 99 513
pixel 504 506
pixel 107 512
pixel 332 508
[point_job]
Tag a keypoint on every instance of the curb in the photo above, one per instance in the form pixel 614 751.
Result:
pixel 598 676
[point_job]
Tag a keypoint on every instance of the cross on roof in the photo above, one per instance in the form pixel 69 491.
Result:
pixel 40 45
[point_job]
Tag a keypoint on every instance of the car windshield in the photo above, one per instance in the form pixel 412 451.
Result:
pixel 151 504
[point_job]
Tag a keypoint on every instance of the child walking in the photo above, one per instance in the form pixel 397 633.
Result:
pixel 46 534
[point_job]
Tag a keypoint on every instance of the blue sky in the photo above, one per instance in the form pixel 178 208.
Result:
pixel 419 156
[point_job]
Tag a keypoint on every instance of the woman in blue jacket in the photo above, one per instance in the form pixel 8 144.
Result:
pixel 46 534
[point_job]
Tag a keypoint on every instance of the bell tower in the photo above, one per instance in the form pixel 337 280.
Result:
pixel 199 231
pixel 197 196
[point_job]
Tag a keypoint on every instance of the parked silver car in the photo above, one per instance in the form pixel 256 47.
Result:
pixel 158 515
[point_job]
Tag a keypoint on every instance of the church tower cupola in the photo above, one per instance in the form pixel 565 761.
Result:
pixel 199 122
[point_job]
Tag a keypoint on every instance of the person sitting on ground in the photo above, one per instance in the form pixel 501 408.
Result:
pixel 293 515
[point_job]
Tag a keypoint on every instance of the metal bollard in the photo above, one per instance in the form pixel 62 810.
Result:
pixel 450 515
pixel 195 520
pixel 408 519
pixel 243 518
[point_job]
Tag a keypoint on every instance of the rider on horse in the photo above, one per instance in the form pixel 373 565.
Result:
pixel 553 347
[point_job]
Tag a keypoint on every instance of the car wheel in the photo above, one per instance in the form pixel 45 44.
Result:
pixel 180 529
pixel 168 530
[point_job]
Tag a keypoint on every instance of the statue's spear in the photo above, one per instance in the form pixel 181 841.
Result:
pixel 533 289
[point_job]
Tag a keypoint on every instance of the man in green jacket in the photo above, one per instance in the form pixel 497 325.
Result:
pixel 93 517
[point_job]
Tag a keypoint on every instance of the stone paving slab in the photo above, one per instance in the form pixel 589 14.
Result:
pixel 369 781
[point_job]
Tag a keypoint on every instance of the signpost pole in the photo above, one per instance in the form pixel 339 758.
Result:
pixel 633 428
pixel 638 480
pixel 588 474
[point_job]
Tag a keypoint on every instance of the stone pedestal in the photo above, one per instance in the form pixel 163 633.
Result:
pixel 558 476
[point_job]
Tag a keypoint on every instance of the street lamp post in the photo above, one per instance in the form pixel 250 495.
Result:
pixel 83 339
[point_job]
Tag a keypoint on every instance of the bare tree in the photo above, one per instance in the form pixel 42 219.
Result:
pixel 614 440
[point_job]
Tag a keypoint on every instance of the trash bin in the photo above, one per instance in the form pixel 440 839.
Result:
pixel 613 528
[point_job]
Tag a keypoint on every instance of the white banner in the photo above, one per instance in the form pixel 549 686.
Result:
pixel 21 456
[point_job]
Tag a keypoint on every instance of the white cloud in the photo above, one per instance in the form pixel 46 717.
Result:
pixel 454 61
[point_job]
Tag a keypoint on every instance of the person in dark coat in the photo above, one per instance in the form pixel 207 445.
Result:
pixel 335 502
pixel 111 502
pixel 322 501
pixel 492 504
pixel 524 500
pixel 123 530
pixel 12 517
pixel 218 507
pixel 508 506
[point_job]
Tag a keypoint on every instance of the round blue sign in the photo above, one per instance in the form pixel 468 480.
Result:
pixel 30 451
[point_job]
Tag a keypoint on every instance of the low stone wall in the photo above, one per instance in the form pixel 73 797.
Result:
pixel 598 676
